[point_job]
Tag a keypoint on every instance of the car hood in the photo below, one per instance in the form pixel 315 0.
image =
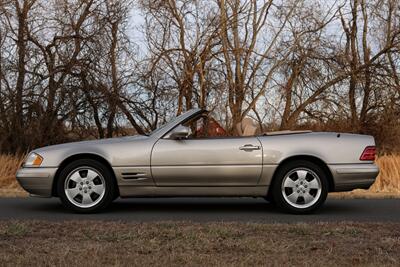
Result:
pixel 94 143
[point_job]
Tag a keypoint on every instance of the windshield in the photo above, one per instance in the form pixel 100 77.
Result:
pixel 172 122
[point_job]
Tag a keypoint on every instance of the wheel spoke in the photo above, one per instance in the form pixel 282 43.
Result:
pixel 293 197
pixel 301 174
pixel 91 175
pixel 86 199
pixel 98 189
pixel 307 198
pixel 313 184
pixel 73 192
pixel 289 183
pixel 76 177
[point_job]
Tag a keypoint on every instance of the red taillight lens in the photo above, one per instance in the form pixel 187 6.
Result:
pixel 368 153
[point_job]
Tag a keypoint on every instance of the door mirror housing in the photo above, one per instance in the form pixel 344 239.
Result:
pixel 179 132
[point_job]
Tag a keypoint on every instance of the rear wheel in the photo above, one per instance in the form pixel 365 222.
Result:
pixel 300 187
pixel 86 186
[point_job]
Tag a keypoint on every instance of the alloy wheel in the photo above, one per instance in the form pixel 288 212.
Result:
pixel 301 188
pixel 84 187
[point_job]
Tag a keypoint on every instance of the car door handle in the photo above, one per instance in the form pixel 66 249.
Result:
pixel 249 147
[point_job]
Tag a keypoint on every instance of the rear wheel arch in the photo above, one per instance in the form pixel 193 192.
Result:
pixel 76 157
pixel 311 159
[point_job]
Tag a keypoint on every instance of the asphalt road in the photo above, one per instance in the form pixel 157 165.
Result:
pixel 203 210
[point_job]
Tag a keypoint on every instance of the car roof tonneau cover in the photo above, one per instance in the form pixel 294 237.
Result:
pixel 286 132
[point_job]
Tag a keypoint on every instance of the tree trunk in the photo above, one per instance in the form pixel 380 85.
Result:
pixel 22 15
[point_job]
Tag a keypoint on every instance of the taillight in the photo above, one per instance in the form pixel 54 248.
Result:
pixel 368 153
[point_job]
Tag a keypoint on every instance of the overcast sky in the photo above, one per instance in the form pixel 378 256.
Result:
pixel 135 28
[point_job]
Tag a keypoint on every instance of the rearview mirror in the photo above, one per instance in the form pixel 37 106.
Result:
pixel 180 132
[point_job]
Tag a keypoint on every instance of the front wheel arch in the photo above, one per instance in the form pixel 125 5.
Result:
pixel 76 157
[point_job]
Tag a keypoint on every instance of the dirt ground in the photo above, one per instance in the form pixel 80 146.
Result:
pixel 195 244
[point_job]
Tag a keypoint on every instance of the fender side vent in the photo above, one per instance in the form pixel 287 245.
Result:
pixel 133 175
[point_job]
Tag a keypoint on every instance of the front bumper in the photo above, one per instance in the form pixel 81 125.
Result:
pixel 37 181
pixel 353 176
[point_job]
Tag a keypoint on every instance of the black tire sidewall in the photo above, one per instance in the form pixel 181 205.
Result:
pixel 109 194
pixel 280 175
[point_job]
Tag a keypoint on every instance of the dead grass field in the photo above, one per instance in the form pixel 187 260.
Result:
pixel 9 165
pixel 386 186
pixel 389 176
pixel 193 244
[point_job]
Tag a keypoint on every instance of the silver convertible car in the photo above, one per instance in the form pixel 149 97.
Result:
pixel 193 156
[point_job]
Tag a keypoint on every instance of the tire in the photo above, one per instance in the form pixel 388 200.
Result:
pixel 300 187
pixel 86 186
pixel 270 199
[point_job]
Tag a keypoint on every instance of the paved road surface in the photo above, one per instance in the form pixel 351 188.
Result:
pixel 203 209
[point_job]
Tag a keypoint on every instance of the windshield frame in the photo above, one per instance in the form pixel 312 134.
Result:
pixel 166 128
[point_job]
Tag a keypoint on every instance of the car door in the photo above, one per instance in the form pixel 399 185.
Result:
pixel 232 161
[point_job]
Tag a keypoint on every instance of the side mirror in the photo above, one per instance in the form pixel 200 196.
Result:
pixel 179 132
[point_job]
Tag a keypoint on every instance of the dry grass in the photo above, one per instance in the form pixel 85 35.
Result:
pixel 9 165
pixel 386 185
pixel 94 243
pixel 389 176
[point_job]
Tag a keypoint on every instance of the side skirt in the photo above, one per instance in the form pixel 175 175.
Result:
pixel 198 191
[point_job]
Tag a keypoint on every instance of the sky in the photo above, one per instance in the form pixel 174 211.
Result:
pixel 135 27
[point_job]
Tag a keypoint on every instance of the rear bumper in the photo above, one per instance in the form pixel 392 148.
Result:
pixel 352 176
pixel 37 181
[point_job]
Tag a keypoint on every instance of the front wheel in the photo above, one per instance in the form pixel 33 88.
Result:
pixel 300 187
pixel 86 186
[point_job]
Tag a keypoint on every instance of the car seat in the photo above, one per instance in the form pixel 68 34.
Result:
pixel 246 127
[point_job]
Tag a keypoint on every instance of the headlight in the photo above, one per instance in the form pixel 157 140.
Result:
pixel 33 160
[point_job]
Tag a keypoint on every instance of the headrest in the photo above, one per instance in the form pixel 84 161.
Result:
pixel 246 127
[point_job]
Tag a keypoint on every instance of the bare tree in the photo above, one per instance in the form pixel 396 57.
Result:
pixel 181 36
pixel 69 70
pixel 245 51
